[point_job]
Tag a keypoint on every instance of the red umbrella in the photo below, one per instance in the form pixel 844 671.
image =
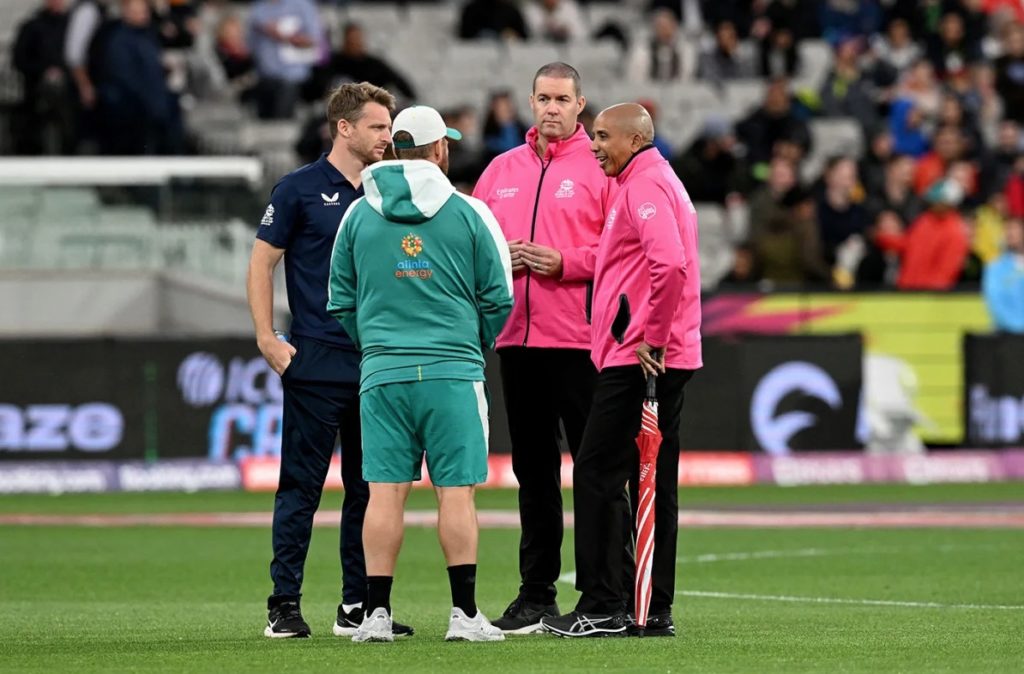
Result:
pixel 649 441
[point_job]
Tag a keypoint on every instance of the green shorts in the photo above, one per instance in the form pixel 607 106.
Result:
pixel 446 419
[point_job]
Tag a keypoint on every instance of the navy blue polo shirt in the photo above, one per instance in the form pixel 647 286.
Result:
pixel 305 210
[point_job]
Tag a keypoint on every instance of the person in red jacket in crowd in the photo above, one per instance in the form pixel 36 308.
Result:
pixel 1014 190
pixel 936 245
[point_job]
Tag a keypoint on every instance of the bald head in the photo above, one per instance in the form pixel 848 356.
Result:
pixel 631 118
pixel 619 133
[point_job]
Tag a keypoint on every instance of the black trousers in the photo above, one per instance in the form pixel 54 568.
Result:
pixel 321 401
pixel 543 387
pixel 607 460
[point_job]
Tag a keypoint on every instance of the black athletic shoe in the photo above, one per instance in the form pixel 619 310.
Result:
pixel 577 624
pixel 348 622
pixel 657 626
pixel 523 617
pixel 284 620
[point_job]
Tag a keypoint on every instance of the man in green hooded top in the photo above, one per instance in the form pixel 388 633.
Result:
pixel 421 280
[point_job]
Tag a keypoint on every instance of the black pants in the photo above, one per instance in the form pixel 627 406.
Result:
pixel 607 459
pixel 321 400
pixel 543 387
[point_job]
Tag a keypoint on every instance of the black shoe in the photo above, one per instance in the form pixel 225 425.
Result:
pixel 523 617
pixel 284 620
pixel 657 626
pixel 348 622
pixel 577 624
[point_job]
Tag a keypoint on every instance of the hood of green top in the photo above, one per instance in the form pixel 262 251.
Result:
pixel 410 191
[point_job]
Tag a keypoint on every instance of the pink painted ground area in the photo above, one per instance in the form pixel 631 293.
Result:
pixel 984 517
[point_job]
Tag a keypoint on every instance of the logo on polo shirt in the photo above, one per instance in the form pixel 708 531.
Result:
pixel 412 246
pixel 565 190
pixel 506 192
pixel 268 216
pixel 646 211
pixel 330 200
pixel 611 219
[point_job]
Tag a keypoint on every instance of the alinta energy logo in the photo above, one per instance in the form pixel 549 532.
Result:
pixel 412 246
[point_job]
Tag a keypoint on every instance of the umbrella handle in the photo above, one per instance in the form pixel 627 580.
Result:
pixel 652 380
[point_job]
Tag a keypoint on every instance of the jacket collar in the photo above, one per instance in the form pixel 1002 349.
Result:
pixel 576 142
pixel 638 162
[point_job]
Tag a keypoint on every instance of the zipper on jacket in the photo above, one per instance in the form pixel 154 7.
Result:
pixel 533 231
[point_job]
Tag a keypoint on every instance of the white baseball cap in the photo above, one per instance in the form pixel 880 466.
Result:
pixel 424 124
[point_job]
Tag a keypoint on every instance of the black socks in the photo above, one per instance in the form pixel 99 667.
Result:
pixel 378 593
pixel 463 581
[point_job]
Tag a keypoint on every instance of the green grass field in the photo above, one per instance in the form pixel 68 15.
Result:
pixel 192 599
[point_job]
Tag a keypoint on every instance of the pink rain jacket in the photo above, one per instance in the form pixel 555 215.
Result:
pixel 648 253
pixel 559 202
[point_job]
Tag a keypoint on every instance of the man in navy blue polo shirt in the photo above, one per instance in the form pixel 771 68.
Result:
pixel 319 366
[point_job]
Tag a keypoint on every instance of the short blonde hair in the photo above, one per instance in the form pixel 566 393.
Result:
pixel 348 100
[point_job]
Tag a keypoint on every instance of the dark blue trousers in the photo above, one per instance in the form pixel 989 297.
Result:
pixel 321 402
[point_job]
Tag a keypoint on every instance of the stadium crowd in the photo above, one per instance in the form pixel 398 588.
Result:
pixel 936 85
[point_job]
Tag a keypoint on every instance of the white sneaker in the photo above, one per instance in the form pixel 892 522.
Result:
pixel 375 627
pixel 477 628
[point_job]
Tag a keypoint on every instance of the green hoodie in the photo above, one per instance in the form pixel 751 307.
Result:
pixel 421 278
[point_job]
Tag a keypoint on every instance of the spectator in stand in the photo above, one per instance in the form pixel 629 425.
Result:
pixel 779 55
pixel 841 19
pixel 503 130
pixel 908 124
pixel 880 266
pixel 1014 190
pixel 1010 73
pixel 1012 8
pixel 936 245
pixel 710 168
pixel 846 92
pixel 981 100
pixel 84 23
pixel 45 117
pixel 949 50
pixel 465 158
pixel 666 57
pixel 235 58
pixel 877 154
pixel 492 19
pixel 140 114
pixel 765 202
pixel 788 249
pixel 998 165
pixel 284 36
pixel 1003 282
pixel 774 121
pixel 726 60
pixel 353 63
pixel 975 20
pixel 948 147
pixel 952 113
pixel 918 84
pixel 557 21
pixel 897 191
pixel 840 214
pixel 896 47
pixel 177 21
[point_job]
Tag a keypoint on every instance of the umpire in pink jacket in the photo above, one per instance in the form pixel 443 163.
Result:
pixel 550 198
pixel 646 320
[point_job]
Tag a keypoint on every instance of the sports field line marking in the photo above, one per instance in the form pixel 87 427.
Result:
pixel 839 600
pixel 758 554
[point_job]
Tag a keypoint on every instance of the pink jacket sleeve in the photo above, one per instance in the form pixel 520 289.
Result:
pixel 654 217
pixel 578 264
